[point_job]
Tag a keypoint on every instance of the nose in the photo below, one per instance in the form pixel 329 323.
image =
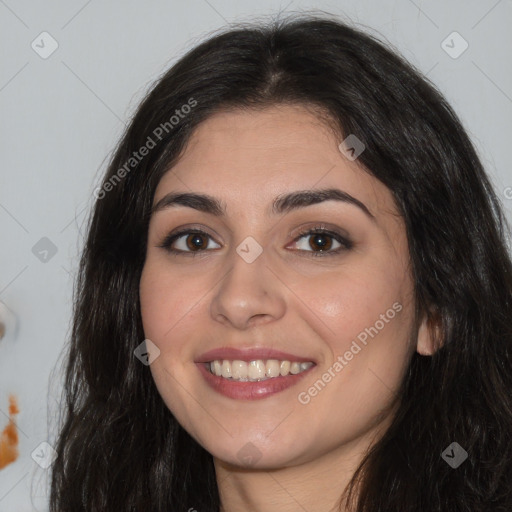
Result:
pixel 249 294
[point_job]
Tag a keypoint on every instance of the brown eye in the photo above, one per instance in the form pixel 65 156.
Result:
pixel 191 241
pixel 196 241
pixel 321 242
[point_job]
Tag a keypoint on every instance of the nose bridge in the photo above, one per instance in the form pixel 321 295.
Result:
pixel 248 290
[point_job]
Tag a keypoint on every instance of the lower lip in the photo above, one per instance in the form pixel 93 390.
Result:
pixel 250 390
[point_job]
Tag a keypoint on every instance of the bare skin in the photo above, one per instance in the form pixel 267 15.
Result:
pixel 306 444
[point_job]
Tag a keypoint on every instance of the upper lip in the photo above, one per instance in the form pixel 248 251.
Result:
pixel 249 354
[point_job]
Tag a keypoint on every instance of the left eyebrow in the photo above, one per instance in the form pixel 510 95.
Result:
pixel 281 205
pixel 302 198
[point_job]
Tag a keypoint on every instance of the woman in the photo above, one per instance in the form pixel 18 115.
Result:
pixel 294 294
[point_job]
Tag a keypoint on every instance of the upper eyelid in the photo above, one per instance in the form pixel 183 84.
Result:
pixel 295 232
pixel 302 232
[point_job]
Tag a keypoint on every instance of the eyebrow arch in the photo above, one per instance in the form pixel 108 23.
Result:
pixel 282 204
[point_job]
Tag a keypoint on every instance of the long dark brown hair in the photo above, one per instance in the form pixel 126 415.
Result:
pixel 120 448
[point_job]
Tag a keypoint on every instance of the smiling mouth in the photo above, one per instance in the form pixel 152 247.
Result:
pixel 256 370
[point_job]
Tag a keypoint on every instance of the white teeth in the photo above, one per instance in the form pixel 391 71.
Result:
pixel 226 369
pixel 256 370
pixel 284 367
pixel 272 368
pixel 239 370
pixel 295 368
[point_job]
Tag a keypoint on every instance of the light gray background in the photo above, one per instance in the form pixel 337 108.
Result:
pixel 61 117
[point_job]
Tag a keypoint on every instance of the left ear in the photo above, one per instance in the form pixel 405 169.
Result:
pixel 430 337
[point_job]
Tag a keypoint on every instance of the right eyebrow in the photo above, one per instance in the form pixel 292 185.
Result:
pixel 202 202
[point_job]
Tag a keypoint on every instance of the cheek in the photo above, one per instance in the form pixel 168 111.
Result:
pixel 368 341
pixel 175 318
pixel 165 300
pixel 345 303
pixel 169 310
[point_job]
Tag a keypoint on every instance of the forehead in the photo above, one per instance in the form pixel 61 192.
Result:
pixel 248 157
pixel 278 131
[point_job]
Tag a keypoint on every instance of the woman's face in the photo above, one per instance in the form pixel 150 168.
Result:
pixel 263 294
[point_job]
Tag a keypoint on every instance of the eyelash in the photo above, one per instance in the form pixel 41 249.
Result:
pixel 346 244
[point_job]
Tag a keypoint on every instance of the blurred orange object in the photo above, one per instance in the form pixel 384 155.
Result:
pixel 9 437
